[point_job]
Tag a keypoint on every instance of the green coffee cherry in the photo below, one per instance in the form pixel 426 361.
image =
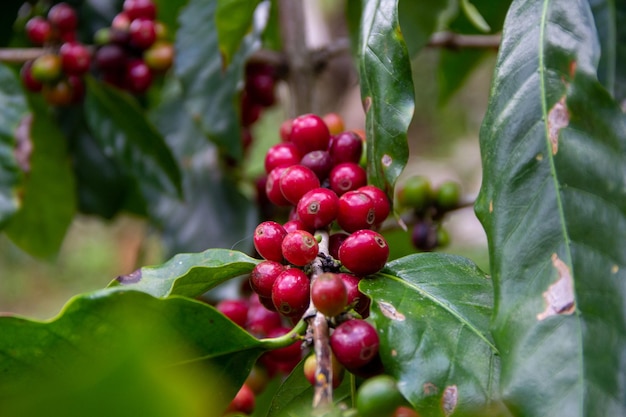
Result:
pixel 448 195
pixel 415 193
pixel 378 397
pixel 443 237
pixel 47 68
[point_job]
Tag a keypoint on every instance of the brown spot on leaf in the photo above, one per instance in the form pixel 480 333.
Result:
pixel 387 160
pixel 539 157
pixel 572 68
pixel 430 388
pixel 131 278
pixel 23 143
pixel 394 353
pixel 449 399
pixel 390 311
pixel 558 118
pixel 560 295
pixel 491 206
pixel 367 104
pixel 614 269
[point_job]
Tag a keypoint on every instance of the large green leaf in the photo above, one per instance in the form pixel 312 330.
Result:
pixel 122 130
pixel 386 91
pixel 553 204
pixel 14 110
pixel 233 19
pixel 605 18
pixel 123 353
pixel 48 197
pixel 419 19
pixel 432 313
pixel 620 58
pixel 188 274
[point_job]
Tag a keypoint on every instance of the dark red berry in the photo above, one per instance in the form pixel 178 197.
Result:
pixel 263 276
pixel 250 110
pixel 293 351
pixel 300 247
pixel 356 211
pixel 381 202
pixel 297 224
pixel 142 33
pixel 138 76
pixel 364 252
pixel 63 17
pixel 296 181
pixel 334 242
pixel 28 80
pixel 355 343
pixel 346 147
pixel 75 58
pixel 38 30
pixel 281 155
pixel 356 299
pixel 329 294
pixel 319 162
pixel 346 177
pixel 261 320
pixel 140 8
pixel 260 88
pixel 110 58
pixel 78 88
pixel 272 187
pixel 309 133
pixel 236 310
pixel 243 402
pixel 268 238
pixel 424 236
pixel 290 293
pixel 318 208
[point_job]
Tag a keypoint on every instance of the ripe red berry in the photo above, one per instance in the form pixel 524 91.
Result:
pixel 263 276
pixel 268 237
pixel 281 155
pixel 293 351
pixel 63 17
pixel 110 58
pixel 329 294
pixel 28 80
pixel 300 247
pixel 142 33
pixel 38 30
pixel 285 130
pixel 346 147
pixel 140 8
pixel 243 402
pixel 272 187
pixel 260 88
pixel 235 310
pixel 318 208
pixel 334 242
pixel 138 76
pixel 346 177
pixel 319 162
pixel 354 343
pixel 364 252
pixel 334 123
pixel 356 299
pixel 297 224
pixel 309 133
pixel 296 181
pixel 381 202
pixel 75 58
pixel 261 320
pixel 290 293
pixel 356 211
pixel 250 110
pixel 121 22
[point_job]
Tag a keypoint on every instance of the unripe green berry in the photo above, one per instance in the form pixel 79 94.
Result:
pixel 448 195
pixel 47 68
pixel 378 397
pixel 415 193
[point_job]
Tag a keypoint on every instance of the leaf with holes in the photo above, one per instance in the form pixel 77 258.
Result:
pixel 553 204
pixel 386 90
pixel 432 315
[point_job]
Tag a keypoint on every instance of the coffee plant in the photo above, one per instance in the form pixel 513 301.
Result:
pixel 281 297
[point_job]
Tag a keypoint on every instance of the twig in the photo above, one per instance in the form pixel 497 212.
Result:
pixel 20 55
pixel 453 40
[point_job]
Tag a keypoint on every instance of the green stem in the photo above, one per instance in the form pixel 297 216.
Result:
pixel 287 339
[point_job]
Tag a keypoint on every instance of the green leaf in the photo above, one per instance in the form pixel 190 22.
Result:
pixel 233 19
pixel 386 90
pixel 418 20
pixel 14 110
pixel 474 16
pixel 124 353
pixel 48 199
pixel 188 274
pixel 620 58
pixel 123 131
pixel 604 15
pixel 553 205
pixel 432 314
pixel 211 91
pixel 167 12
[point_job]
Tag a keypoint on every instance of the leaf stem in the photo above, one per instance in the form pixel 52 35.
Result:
pixel 287 339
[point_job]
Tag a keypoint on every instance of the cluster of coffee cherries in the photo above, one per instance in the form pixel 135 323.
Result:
pixel 428 206
pixel 258 94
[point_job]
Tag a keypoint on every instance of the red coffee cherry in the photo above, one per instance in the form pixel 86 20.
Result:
pixel 263 276
pixel 285 130
pixel 297 224
pixel 261 320
pixel 364 252
pixel 318 208
pixel 309 133
pixel 287 353
pixel 27 78
pixel 334 242
pixel 272 187
pixel 260 88
pixel 356 299
pixel 140 8
pixel 334 123
pixel 75 58
pixel 38 30
pixel 63 17
pixel 355 343
pixel 356 211
pixel 281 155
pixel 290 293
pixel 300 247
pixel 268 238
pixel 250 110
pixel 346 147
pixel 138 76
pixel 110 58
pixel 319 162
pixel 382 207
pixel 142 33
pixel 297 180
pixel 346 177
pixel 329 294
pixel 243 402
pixel 235 310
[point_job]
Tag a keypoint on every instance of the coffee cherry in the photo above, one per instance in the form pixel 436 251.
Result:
pixel 138 76
pixel 297 224
pixel 260 88
pixel 272 187
pixel 356 299
pixel 346 177
pixel 404 411
pixel 257 379
pixel 443 238
pixel 415 193
pixel 378 397
pixel 263 276
pixel 160 56
pixel 268 238
pixel 250 110
pixel 448 195
pixel 47 68
pixel 334 242
pixel 110 58
pixel 364 252
pixel 319 162
pixel 281 155
pixel 300 247
pixel 235 310
pixel 290 293
pixel 285 130
pixel 382 208
pixel 318 208
pixel 27 78
pixel 38 30
pixel 296 181
pixel 139 9
pixel 310 366
pixel 354 343
pixel 356 211
pixel 346 147
pixel 260 319
pixel 309 133
pixel 75 58
pixel 329 294
pixel 424 236
pixel 59 93
pixel 121 22
pixel 63 17
pixel 243 402
pixel 293 351
pixel 142 33
pixel 334 123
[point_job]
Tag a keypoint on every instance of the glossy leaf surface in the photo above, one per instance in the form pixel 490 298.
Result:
pixel 553 203
pixel 188 274
pixel 386 91
pixel 432 314
pixel 419 20
pixel 233 20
